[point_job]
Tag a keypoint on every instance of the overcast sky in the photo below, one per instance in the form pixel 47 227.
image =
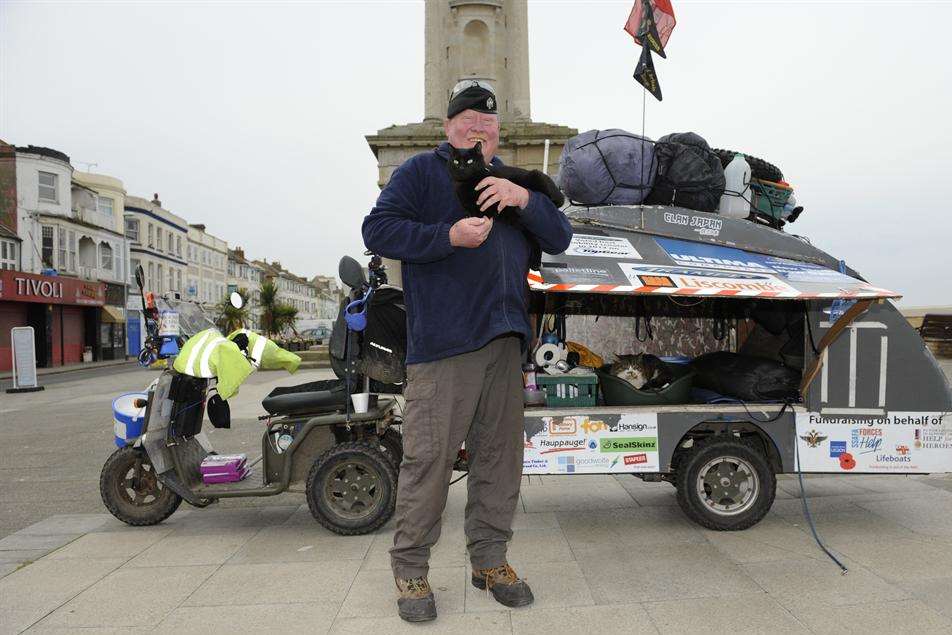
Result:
pixel 251 117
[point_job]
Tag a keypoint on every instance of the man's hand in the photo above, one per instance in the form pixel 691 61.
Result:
pixel 502 191
pixel 470 232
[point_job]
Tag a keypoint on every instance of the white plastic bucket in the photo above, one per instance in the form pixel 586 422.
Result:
pixel 128 418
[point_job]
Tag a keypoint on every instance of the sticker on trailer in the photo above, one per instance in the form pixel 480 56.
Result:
pixel 591 444
pixel 898 442
pixel 602 247
pixel 709 256
pixel 699 281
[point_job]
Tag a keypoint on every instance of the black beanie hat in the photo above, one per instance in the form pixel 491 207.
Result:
pixel 478 97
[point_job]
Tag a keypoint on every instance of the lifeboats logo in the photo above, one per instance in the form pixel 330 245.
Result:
pixel 902 450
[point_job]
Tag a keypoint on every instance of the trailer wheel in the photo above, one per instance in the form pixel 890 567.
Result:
pixel 725 485
pixel 759 169
pixel 131 490
pixel 352 489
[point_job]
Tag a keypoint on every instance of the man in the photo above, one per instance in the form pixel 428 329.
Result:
pixel 465 291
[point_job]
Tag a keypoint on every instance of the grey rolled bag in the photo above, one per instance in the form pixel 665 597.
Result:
pixel 607 167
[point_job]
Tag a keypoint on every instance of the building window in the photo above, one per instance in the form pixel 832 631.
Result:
pixel 169 242
pixel 72 250
pixel 105 256
pixel 106 210
pixel 159 281
pixel 178 246
pixel 133 265
pixel 8 254
pixel 47 186
pixel 47 246
pixel 151 277
pixel 132 229
pixel 158 238
pixel 61 248
pixel 151 241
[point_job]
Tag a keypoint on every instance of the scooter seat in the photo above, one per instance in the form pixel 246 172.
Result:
pixel 314 397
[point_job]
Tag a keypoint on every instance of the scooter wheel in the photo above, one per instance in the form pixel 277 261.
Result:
pixel 131 490
pixel 725 485
pixel 352 489
pixel 391 442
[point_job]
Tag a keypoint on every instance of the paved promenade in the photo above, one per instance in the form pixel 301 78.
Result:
pixel 604 554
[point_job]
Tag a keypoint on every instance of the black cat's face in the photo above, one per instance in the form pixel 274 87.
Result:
pixel 467 163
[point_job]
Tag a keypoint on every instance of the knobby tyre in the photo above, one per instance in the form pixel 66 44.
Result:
pixel 131 490
pixel 352 488
pixel 725 485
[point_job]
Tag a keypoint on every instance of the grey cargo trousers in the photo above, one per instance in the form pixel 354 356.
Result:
pixel 474 397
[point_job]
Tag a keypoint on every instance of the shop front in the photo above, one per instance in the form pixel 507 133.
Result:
pixel 112 323
pixel 64 314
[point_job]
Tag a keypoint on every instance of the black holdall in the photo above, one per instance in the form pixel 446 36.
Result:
pixel 689 173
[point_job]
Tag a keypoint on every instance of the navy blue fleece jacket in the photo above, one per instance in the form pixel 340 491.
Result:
pixel 457 299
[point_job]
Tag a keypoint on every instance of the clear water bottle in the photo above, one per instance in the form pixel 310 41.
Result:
pixel 735 202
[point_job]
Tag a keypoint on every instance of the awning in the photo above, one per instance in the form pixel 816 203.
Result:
pixel 623 262
pixel 112 314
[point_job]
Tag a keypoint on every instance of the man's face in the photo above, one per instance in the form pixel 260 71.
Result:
pixel 470 126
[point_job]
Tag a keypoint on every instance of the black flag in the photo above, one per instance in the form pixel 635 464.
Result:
pixel 645 72
pixel 648 29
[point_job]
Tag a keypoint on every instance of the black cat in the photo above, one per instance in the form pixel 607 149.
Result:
pixel 467 168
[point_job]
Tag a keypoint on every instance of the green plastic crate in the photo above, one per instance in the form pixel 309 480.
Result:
pixel 569 390
pixel 768 197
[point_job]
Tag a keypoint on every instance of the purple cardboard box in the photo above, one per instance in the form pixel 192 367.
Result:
pixel 211 478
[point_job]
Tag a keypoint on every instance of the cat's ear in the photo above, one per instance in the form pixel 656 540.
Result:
pixel 478 147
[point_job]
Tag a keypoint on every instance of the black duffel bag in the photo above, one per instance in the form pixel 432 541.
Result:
pixel 689 173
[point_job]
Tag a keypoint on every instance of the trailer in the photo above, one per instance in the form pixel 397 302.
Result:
pixel 675 282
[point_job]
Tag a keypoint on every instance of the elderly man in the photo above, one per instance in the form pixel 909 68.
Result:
pixel 467 330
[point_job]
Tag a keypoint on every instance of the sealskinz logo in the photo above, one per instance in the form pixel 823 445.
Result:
pixel 628 444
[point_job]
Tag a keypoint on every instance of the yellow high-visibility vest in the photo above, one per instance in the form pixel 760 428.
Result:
pixel 267 355
pixel 210 354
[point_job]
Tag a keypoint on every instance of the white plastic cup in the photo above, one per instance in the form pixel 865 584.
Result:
pixel 361 401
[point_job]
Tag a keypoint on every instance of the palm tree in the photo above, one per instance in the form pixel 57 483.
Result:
pixel 276 316
pixel 231 318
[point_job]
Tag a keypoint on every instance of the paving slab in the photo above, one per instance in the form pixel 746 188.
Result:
pixel 6 568
pixel 43 586
pixel 773 538
pixel 21 542
pixel 897 559
pixel 807 582
pixel 374 594
pixel 663 572
pixel 156 591
pixel 452 624
pixel 287 582
pixel 617 619
pixel 902 616
pixel 638 527
pixel 648 494
pixel 592 495
pixel 107 546
pixel 190 549
pixel 937 593
pixel 748 613
pixel 314 619
pixel 449 551
pixel 930 515
pixel 300 543
pixel 554 584
pixel 66 524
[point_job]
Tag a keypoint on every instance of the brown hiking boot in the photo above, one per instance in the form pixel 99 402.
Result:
pixel 415 602
pixel 505 585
